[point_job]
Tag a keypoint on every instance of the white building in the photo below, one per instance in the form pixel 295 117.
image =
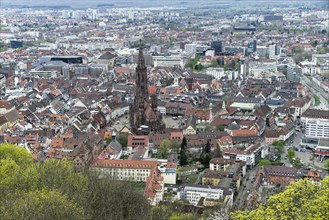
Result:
pixel 190 48
pixel 272 51
pixel 316 123
pixel 261 71
pixel 193 193
pixel 167 61
pixel 217 73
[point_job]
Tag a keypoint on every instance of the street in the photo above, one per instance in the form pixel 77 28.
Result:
pixel 318 91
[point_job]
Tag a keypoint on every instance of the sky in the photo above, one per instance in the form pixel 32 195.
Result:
pixel 134 3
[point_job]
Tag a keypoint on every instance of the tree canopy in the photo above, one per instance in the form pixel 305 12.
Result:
pixel 52 190
pixel 301 200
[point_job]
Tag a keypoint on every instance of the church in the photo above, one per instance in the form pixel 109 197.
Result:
pixel 144 116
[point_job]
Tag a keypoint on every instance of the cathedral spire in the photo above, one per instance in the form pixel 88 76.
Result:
pixel 141 60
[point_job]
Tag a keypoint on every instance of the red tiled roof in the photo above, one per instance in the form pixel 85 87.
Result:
pixel 131 164
pixel 245 132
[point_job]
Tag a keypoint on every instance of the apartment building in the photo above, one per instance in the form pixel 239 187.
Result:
pixel 316 123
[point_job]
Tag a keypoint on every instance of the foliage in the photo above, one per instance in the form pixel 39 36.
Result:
pixel 214 63
pixel 172 211
pixel 164 148
pixel 123 140
pixel 264 162
pixel 279 146
pixel 316 100
pixel 314 43
pixel 206 160
pixel 184 143
pixel 207 148
pixel 174 145
pixel 326 164
pixel 220 127
pixel 301 200
pixel 52 190
pixel 298 163
pixel 41 205
pixel 291 153
pixel 323 50
pixel 193 62
pixel 183 158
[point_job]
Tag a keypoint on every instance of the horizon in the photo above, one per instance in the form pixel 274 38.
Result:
pixel 74 4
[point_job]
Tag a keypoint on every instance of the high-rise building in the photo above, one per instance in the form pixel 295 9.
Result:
pixel 252 46
pixel 144 116
pixel 273 51
pixel 294 73
pixel 217 44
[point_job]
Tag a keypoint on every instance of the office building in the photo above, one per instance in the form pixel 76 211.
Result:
pixel 218 46
pixel 273 51
pixel 16 44
pixel 316 123
pixel 294 73
pixel 252 46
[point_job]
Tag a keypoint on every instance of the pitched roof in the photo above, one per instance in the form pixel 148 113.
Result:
pixel 280 171
pixel 107 56
pixel 245 132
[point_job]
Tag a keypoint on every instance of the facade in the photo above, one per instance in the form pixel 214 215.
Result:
pixel 217 73
pixel 294 73
pixel 218 46
pixel 154 173
pixel 144 116
pixel 193 193
pixel 167 61
pixel 272 51
pixel 282 175
pixel 316 123
pixel 190 48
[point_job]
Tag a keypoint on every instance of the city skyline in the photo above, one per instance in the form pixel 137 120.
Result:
pixel 157 3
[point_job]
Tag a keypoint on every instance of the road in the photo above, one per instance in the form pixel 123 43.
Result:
pixel 318 91
pixel 245 188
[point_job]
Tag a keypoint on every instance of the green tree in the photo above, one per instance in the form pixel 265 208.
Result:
pixel 24 185
pixel 207 148
pixel 220 127
pixel 123 140
pixel 18 154
pixel 298 163
pixel 291 153
pixel 206 160
pixel 174 146
pixel 326 165
pixel 264 162
pixel 314 43
pixel 279 146
pixel 301 200
pixel 164 148
pixel 184 144
pixel 323 50
pixel 40 205
pixel 214 63
pixel 183 158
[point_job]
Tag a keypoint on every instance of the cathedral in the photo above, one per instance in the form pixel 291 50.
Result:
pixel 144 116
